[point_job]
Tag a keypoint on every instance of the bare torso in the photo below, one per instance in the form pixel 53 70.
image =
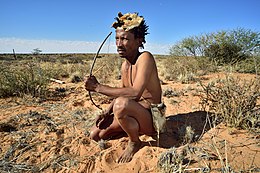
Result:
pixel 152 89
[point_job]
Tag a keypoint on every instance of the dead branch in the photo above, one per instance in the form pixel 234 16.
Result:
pixel 57 81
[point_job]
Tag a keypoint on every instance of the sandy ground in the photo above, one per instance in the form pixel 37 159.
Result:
pixel 51 135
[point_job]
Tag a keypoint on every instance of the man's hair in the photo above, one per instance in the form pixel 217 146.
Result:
pixel 140 32
pixel 132 23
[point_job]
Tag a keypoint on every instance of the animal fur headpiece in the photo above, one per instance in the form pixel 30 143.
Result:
pixel 127 21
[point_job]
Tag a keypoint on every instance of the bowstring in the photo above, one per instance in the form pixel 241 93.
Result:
pixel 108 46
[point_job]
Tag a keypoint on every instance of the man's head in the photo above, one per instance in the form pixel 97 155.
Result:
pixel 131 22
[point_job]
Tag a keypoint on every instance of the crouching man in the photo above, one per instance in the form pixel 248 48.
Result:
pixel 130 112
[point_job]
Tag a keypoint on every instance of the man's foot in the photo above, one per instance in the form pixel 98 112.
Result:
pixel 129 152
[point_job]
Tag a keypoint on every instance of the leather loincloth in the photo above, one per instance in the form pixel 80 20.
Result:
pixel 158 115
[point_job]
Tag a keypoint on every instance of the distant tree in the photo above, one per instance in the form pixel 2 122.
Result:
pixel 191 45
pixel 233 46
pixel 248 40
pixel 187 47
pixel 203 42
pixel 36 51
pixel 178 50
pixel 222 46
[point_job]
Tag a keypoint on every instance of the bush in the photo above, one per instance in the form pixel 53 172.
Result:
pixel 225 53
pixel 249 65
pixel 171 161
pixel 23 79
pixel 223 46
pixel 233 102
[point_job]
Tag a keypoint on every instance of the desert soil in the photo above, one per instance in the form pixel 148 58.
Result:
pixel 51 135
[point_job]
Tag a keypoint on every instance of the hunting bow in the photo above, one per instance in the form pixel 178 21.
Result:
pixel 91 69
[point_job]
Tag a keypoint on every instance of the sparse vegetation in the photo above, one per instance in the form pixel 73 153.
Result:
pixel 171 161
pixel 168 92
pixel 22 150
pixel 184 70
pixel 234 102
pixel 17 80
pixel 60 131
pixel 249 65
pixel 31 74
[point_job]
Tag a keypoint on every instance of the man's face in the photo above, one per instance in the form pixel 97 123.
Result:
pixel 127 44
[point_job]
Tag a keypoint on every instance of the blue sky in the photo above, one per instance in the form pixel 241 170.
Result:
pixel 81 25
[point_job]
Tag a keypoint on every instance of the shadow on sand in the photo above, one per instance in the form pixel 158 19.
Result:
pixel 176 128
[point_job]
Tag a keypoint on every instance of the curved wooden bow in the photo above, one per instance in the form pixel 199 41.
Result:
pixel 92 66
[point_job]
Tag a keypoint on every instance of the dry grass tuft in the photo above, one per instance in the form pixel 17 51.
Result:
pixel 169 92
pixel 23 79
pixel 186 134
pixel 234 102
pixel 184 69
pixel 171 161
pixel 181 160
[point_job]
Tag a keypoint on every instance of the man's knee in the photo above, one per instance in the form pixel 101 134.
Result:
pixel 120 107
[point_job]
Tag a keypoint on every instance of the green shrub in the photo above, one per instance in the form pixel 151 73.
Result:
pixel 225 53
pixel 225 46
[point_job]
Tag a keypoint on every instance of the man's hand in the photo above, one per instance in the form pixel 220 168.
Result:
pixel 104 120
pixel 91 83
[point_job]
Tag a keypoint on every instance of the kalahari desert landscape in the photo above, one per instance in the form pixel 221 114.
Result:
pixel 212 116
